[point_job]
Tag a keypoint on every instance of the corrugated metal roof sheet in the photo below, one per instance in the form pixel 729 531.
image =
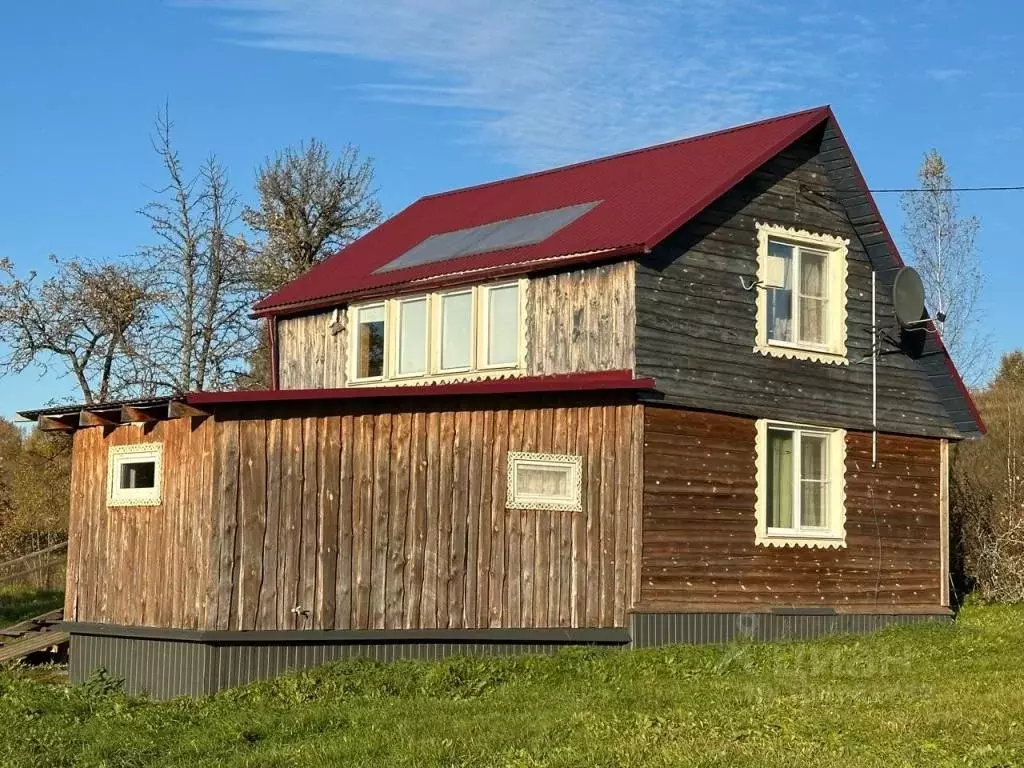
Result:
pixel 645 195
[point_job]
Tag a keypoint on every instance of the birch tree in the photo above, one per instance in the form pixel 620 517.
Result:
pixel 942 246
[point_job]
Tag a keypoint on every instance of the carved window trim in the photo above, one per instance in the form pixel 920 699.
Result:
pixel 573 502
pixel 835 536
pixel 117 456
pixel 838 250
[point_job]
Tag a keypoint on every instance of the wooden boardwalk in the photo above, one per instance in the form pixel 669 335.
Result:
pixel 35 639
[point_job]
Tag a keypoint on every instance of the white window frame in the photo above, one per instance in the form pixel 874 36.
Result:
pixel 573 464
pixel 437 328
pixel 353 346
pixel 484 330
pixel 118 456
pixel 478 350
pixel 834 533
pixel 396 337
pixel 837 248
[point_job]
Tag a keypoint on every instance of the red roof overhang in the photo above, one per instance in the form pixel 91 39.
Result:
pixel 601 381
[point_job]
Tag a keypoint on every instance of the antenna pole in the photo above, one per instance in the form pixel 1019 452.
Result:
pixel 874 373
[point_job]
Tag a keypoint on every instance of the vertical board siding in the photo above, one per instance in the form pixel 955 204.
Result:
pixel 698 525
pixel 578 321
pixel 410 530
pixel 145 565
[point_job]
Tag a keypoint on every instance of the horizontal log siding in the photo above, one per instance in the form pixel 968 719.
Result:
pixel 577 321
pixel 696 324
pixel 141 566
pixel 329 517
pixel 698 525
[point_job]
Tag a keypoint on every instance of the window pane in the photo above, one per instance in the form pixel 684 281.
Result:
pixel 813 269
pixel 542 481
pixel 813 457
pixel 812 504
pixel 780 479
pixel 503 325
pixel 812 321
pixel 140 474
pixel 370 343
pixel 456 330
pixel 780 291
pixel 412 336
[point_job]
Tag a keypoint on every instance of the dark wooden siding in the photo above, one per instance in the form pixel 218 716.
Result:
pixel 330 518
pixel 141 566
pixel 698 525
pixel 696 324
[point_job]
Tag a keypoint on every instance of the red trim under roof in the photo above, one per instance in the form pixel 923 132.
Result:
pixel 577 382
pixel 643 196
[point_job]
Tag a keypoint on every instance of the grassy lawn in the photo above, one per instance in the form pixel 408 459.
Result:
pixel 911 696
pixel 19 603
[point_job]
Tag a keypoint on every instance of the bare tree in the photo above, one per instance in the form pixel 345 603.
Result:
pixel 942 248
pixel 85 319
pixel 200 334
pixel 311 204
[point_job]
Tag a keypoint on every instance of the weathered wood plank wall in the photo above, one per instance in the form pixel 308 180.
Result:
pixel 145 566
pixel 698 525
pixel 311 352
pixel 577 321
pixel 696 325
pixel 341 518
pixel 583 320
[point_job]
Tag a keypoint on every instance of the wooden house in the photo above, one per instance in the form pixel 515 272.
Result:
pixel 625 402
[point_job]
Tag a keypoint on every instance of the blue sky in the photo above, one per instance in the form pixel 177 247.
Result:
pixel 454 92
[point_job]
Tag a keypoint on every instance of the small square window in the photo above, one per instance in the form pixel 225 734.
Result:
pixel 545 481
pixel 134 475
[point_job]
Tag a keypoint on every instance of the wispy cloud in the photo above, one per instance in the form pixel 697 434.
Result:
pixel 945 75
pixel 550 81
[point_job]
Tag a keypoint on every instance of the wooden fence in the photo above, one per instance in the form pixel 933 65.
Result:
pixel 44 569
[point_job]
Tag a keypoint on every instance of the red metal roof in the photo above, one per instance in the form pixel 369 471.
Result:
pixel 572 382
pixel 645 195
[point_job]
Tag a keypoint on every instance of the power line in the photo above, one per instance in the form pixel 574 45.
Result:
pixel 952 189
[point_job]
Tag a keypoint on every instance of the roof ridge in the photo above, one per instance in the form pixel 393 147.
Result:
pixel 627 153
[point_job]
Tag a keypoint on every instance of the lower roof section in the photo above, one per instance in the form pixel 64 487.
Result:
pixel 193 404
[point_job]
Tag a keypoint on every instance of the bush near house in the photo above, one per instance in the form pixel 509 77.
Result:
pixel 920 695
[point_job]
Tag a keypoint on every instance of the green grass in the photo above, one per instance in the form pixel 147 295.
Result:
pixel 20 603
pixel 911 696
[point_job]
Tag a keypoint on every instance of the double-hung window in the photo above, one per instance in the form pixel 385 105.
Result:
pixel 800 484
pixel 802 294
pixel 463 332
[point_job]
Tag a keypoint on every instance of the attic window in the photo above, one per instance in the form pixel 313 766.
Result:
pixel 134 475
pixel 801 299
pixel 448 335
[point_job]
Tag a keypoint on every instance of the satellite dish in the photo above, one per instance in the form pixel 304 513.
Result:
pixel 908 297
